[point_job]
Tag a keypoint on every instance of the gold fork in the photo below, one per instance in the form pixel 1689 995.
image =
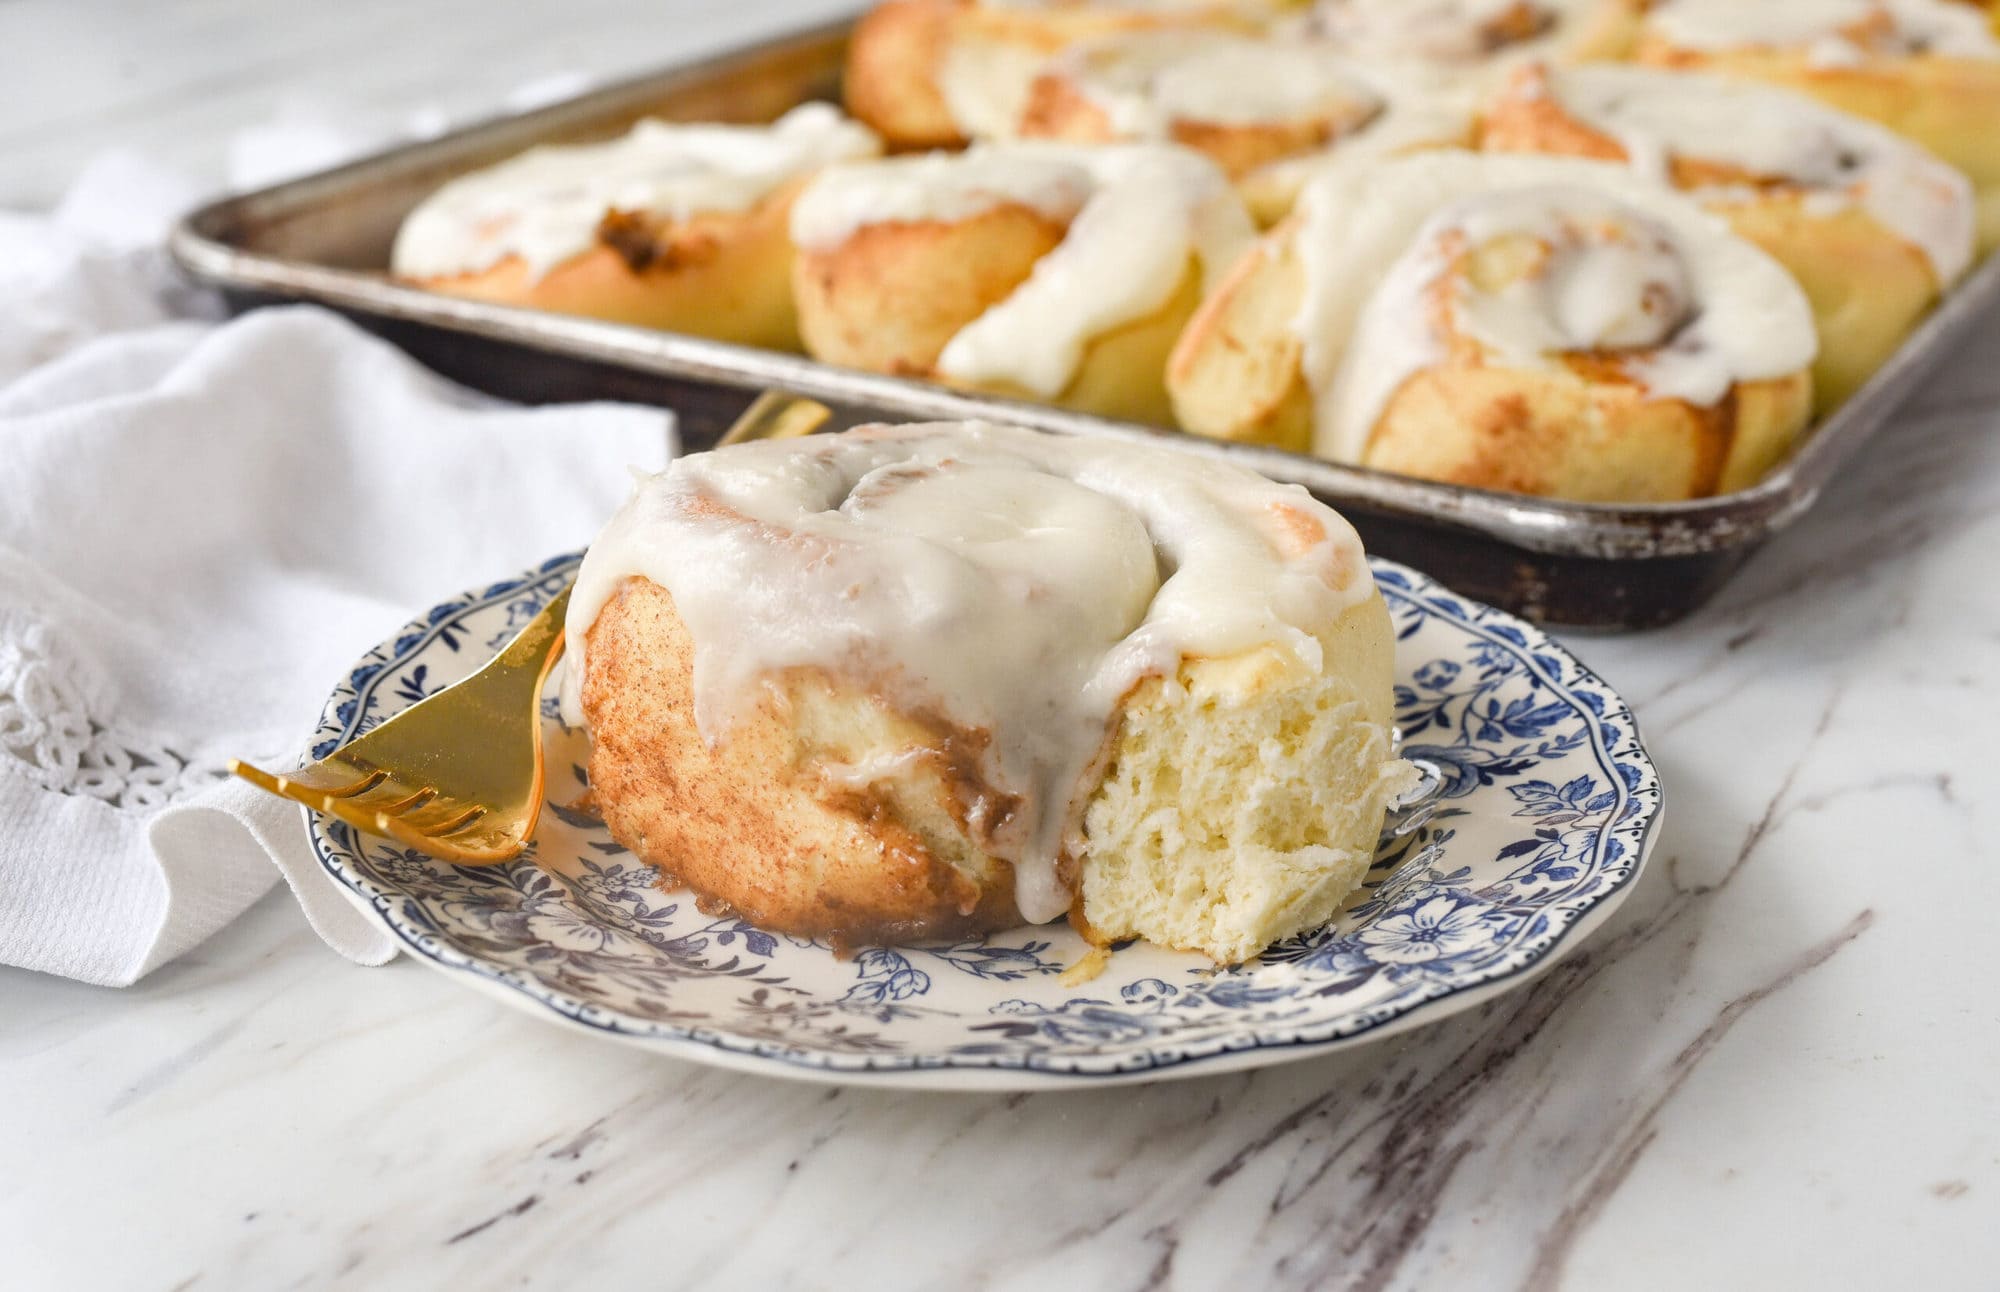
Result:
pixel 458 775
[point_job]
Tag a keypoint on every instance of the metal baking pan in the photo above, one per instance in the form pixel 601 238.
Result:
pixel 326 239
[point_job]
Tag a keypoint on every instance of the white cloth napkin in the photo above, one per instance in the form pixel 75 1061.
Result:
pixel 202 525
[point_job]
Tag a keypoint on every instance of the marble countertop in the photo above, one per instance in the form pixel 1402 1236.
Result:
pixel 1778 1066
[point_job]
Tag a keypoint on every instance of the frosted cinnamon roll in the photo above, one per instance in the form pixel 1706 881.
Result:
pixel 1432 63
pixel 1874 227
pixel 927 680
pixel 1538 325
pixel 937 73
pixel 1927 69
pixel 681 227
pixel 1036 270
pixel 1476 36
pixel 1242 101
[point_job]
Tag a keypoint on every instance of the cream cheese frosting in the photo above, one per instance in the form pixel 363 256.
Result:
pixel 545 206
pixel 1146 82
pixel 1831 31
pixel 1630 267
pixel 984 79
pixel 1772 133
pixel 1017 583
pixel 1452 32
pixel 1136 214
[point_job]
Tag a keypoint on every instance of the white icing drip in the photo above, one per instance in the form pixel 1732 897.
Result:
pixel 1372 243
pixel 1013 582
pixel 1144 211
pixel 1146 82
pixel 1768 132
pixel 1832 32
pixel 545 206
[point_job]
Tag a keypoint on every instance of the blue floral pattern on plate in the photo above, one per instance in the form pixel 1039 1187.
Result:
pixel 1546 805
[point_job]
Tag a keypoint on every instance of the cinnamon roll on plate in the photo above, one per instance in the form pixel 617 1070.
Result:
pixel 1928 69
pixel 1036 270
pixel 1540 325
pixel 923 681
pixel 1874 227
pixel 681 227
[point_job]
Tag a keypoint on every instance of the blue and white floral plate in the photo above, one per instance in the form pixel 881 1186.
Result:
pixel 1547 810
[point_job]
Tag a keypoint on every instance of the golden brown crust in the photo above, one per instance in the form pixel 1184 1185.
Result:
pixel 890 83
pixel 725 275
pixel 897 51
pixel 1058 109
pixel 754 825
pixel 893 295
pixel 1526 118
pixel 1234 373
pixel 1868 288
pixel 1585 430
pixel 1240 149
pixel 1589 435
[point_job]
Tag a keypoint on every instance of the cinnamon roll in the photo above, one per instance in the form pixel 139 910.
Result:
pixel 1036 270
pixel 1873 227
pixel 927 680
pixel 1431 64
pixel 938 73
pixel 1539 325
pixel 1477 37
pixel 1242 101
pixel 681 227
pixel 1927 69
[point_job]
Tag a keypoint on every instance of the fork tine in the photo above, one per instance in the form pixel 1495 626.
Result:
pixel 404 806
pixel 257 776
pixel 335 780
pixel 361 786
pixel 475 853
pixel 455 824
pixel 435 817
pixel 293 788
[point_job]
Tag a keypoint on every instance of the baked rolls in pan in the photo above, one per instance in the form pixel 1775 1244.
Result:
pixel 939 73
pixel 1541 325
pixel 1874 228
pixel 1927 69
pixel 681 227
pixel 1038 270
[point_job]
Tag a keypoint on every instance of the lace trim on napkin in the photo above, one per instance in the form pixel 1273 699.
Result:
pixel 46 731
